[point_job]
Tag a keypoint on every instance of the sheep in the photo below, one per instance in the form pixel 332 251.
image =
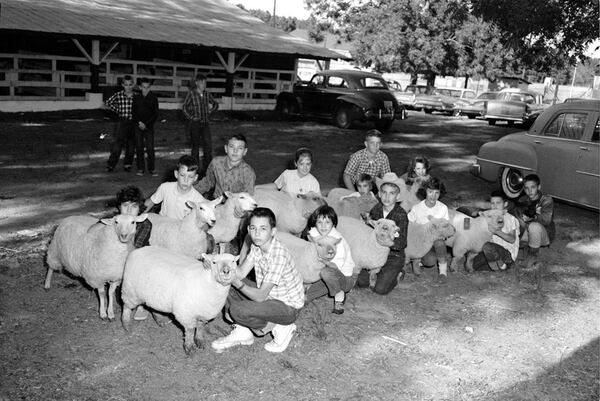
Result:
pixel 408 196
pixel 420 237
pixel 309 255
pixel 370 246
pixel 187 236
pixel 291 212
pixel 351 207
pixel 172 283
pixel 470 241
pixel 94 250
pixel 230 214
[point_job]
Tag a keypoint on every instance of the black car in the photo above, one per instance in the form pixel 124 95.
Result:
pixel 346 96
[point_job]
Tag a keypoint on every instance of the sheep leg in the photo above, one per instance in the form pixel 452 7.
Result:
pixel 373 277
pixel 126 317
pixel 111 301
pixel 469 261
pixel 48 278
pixel 160 320
pixel 199 334
pixel 102 299
pixel 188 341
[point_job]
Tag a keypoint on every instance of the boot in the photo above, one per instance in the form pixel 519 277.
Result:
pixel 532 257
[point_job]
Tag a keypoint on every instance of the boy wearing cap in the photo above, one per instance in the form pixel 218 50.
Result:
pixel 388 208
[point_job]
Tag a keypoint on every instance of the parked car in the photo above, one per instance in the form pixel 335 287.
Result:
pixel 472 107
pixel 430 99
pixel 408 97
pixel 514 105
pixel 562 147
pixel 344 95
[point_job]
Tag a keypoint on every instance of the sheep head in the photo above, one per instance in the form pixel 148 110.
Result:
pixel 204 211
pixel 242 203
pixel 494 219
pixel 223 267
pixel 125 225
pixel 441 228
pixel 385 232
pixel 326 246
pixel 309 202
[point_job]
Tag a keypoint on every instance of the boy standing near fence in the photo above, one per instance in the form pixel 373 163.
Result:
pixel 122 104
pixel 145 114
pixel 197 108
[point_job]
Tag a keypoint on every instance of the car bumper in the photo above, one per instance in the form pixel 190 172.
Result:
pixel 475 169
pixel 502 118
pixel 432 106
pixel 382 114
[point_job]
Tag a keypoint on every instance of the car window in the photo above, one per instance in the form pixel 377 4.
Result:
pixel 454 93
pixel 337 82
pixel 567 126
pixel 487 95
pixel 469 95
pixel 528 99
pixel 369 82
pixel 596 134
pixel 318 80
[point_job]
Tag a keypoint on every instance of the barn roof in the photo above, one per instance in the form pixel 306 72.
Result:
pixel 206 23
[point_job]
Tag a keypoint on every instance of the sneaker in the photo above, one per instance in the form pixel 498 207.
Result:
pixel 127 168
pixel 140 173
pixel 282 335
pixel 338 307
pixel 240 335
pixel 141 313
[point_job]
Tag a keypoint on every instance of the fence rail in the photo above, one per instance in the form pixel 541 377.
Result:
pixel 48 77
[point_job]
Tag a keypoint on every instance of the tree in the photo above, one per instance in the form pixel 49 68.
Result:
pixel 286 24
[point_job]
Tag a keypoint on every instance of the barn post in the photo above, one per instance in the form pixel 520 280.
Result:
pixel 95 67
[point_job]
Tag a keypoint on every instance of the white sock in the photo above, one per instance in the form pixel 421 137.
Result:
pixel 339 297
pixel 443 268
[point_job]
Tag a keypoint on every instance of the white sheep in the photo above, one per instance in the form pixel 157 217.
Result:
pixel 95 251
pixel 420 237
pixel 469 241
pixel 309 255
pixel 229 216
pixel 187 236
pixel 292 213
pixel 172 283
pixel 370 247
pixel 351 207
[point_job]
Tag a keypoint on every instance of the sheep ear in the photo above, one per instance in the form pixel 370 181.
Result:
pixel 218 200
pixel 301 196
pixel 236 258
pixel 226 194
pixel 207 257
pixel 481 213
pixel 141 217
pixel 337 241
pixel 108 222
pixel 310 238
pixel 190 204
pixel 371 222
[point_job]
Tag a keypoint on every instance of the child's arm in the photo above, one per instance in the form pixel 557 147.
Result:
pixel 508 237
pixel 208 181
pixel 148 205
pixel 186 105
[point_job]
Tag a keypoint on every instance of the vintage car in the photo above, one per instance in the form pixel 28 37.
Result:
pixel 344 95
pixel 408 97
pixel 430 99
pixel 561 147
pixel 472 107
pixel 514 105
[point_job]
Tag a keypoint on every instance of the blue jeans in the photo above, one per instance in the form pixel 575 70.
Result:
pixel 332 281
pixel 256 315
pixel 387 278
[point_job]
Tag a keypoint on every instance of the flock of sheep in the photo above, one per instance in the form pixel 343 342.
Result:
pixel 168 277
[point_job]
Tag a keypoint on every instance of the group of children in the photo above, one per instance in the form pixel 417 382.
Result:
pixel 272 302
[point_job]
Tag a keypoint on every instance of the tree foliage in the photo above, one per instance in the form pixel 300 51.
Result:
pixel 286 24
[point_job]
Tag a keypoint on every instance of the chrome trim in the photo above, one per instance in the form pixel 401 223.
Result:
pixel 575 202
pixel 505 164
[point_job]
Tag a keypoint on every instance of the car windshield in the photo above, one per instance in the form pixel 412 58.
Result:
pixel 371 82
pixel 487 95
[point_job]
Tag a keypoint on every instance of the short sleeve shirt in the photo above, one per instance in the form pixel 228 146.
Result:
pixel 420 212
pixel 361 163
pixel 173 202
pixel 510 225
pixel 343 255
pixel 277 267
pixel 290 182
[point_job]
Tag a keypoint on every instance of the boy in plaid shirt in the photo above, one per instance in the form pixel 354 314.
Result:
pixel 274 302
pixel 122 104
pixel 369 160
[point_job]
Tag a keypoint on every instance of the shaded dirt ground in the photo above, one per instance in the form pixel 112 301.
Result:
pixel 478 337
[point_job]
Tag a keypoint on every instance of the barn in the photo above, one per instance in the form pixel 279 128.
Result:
pixel 67 54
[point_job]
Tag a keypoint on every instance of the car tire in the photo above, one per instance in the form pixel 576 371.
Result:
pixel 384 125
pixel 492 122
pixel 511 181
pixel 343 116
pixel 286 108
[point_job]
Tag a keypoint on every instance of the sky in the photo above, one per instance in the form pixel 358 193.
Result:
pixel 287 8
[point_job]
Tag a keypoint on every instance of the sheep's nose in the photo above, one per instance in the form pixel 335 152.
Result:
pixel 212 222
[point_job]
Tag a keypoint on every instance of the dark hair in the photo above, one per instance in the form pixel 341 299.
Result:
pixel 200 77
pixel 498 194
pixel 532 177
pixel 238 137
pixel 322 211
pixel 418 159
pixel 127 78
pixel 130 193
pixel 144 80
pixel 364 177
pixel 437 184
pixel 372 133
pixel 264 212
pixel 189 162
pixel 303 152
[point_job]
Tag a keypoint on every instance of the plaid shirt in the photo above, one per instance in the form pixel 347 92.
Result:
pixel 361 163
pixel 121 104
pixel 195 105
pixel 142 234
pixel 277 267
pixel 221 176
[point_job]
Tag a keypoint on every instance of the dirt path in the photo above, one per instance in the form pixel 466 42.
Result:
pixel 478 337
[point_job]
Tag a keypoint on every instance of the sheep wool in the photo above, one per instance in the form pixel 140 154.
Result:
pixel 420 237
pixel 229 216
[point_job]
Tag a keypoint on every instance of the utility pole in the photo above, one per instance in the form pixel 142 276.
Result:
pixel 274 10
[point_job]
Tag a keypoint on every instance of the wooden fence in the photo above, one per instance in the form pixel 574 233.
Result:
pixel 47 77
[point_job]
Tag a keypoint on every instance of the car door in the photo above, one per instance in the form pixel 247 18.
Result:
pixel 558 150
pixel 335 87
pixel 587 167
pixel 312 93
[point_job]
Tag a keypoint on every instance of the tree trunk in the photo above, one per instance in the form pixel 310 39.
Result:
pixel 430 76
pixel 413 78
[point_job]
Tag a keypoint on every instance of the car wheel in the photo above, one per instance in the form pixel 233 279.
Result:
pixel 285 108
pixel 428 111
pixel 383 125
pixel 456 113
pixel 343 117
pixel 492 122
pixel 471 117
pixel 512 182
